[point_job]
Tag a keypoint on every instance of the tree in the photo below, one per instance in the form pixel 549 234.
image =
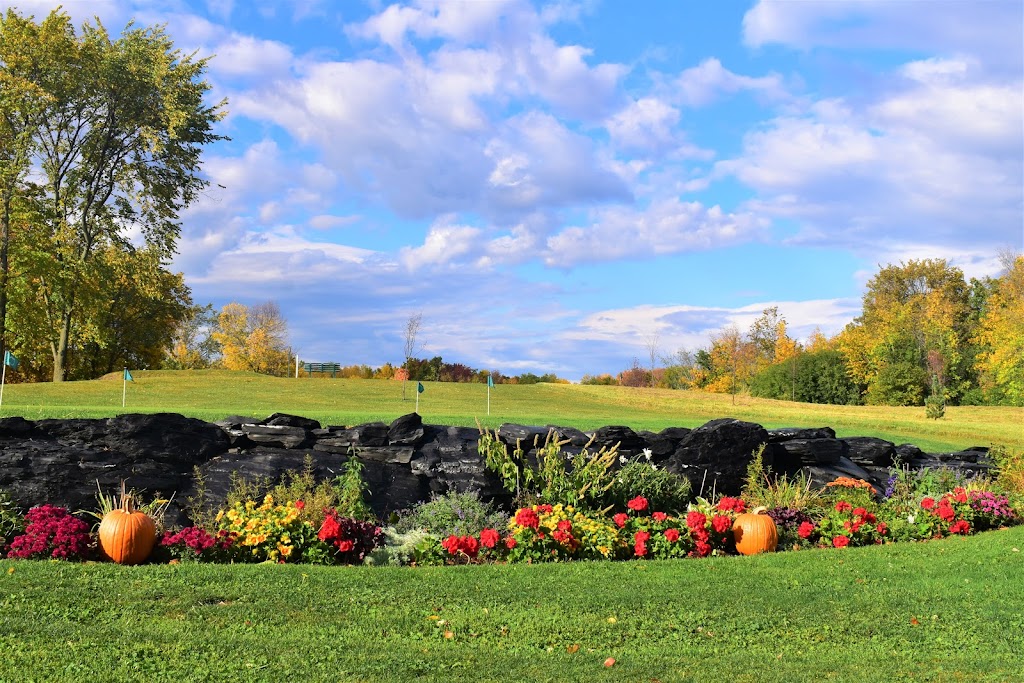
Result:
pixel 412 328
pixel 192 346
pixel 117 143
pixel 253 339
pixel 651 343
pixel 910 310
pixel 1000 336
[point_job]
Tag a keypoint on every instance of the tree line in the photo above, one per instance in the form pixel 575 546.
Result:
pixel 924 332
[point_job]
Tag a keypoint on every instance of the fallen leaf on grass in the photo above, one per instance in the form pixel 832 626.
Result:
pixel 11 570
pixel 612 620
pixel 914 621
pixel 573 649
pixel 448 635
pixel 609 662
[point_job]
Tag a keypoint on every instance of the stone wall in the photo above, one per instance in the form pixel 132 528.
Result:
pixel 61 462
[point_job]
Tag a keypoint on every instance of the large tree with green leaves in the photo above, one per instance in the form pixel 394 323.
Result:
pixel 916 322
pixel 117 141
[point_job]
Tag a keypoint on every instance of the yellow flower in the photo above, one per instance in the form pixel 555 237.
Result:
pixel 220 515
pixel 285 550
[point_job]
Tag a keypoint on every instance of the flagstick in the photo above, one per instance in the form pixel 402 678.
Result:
pixel 417 399
pixel 124 390
pixel 488 399
pixel 3 380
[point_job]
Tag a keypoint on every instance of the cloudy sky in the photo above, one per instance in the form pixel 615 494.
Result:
pixel 552 185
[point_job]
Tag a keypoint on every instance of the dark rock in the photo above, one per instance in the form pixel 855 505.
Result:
pixel 285 420
pixel 167 437
pixel 628 441
pixel 660 445
pixel 795 453
pixel 278 436
pixel 398 455
pixel 575 437
pixel 527 436
pixel 717 454
pixel 406 430
pixel 372 434
pixel 907 452
pixel 676 433
pixel 15 426
pixel 790 433
pixel 869 451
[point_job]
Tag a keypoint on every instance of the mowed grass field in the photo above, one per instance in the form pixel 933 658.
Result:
pixel 214 394
pixel 944 611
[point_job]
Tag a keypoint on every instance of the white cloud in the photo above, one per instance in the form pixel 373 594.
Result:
pixel 666 226
pixel 704 83
pixel 444 244
pixel 647 124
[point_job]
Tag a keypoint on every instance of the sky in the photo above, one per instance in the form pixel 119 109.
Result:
pixel 556 187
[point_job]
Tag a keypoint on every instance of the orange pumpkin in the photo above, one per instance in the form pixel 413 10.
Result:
pixel 755 533
pixel 127 536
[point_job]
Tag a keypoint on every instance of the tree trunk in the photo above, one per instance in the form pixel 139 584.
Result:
pixel 60 351
pixel 5 241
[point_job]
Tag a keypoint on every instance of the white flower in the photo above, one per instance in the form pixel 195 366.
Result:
pixel 622 459
pixel 647 453
pixel 654 467
pixel 911 518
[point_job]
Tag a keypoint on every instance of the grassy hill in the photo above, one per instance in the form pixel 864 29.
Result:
pixel 213 394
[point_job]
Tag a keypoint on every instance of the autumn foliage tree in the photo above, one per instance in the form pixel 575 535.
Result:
pixel 253 339
pixel 1000 336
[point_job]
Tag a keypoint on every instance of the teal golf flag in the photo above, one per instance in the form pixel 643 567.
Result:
pixel 419 387
pixel 128 376
pixel 10 361
pixel 490 382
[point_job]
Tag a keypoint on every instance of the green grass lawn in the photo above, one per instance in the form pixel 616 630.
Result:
pixel 213 394
pixel 950 610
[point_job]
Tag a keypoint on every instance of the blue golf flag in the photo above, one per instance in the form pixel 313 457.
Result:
pixel 490 381
pixel 128 376
pixel 419 387
pixel 10 361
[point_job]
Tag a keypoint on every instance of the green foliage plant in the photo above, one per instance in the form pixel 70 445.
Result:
pixel 455 513
pixel 351 491
pixel 155 507
pixel 581 479
pixel 638 476
pixel 12 522
pixel 1009 469
pixel 400 548
pixel 763 488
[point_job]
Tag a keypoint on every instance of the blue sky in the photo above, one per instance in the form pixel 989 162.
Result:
pixel 553 185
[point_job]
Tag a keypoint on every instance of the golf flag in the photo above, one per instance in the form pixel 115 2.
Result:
pixel 124 385
pixel 490 385
pixel 11 362
pixel 419 390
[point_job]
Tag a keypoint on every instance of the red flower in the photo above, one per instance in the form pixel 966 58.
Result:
pixel 695 520
pixel 840 541
pixel 620 519
pixel 300 504
pixel 561 537
pixel 703 549
pixel 701 535
pixel 564 525
pixel 345 545
pixel 805 530
pixel 959 494
pixel 856 527
pixel 527 517
pixel 961 527
pixel 641 537
pixel 859 512
pixel 928 503
pixel 882 529
pixel 638 504
pixel 545 508
pixel 843 506
pixel 640 549
pixel 489 538
pixel 451 544
pixel 721 523
pixel 329 529
pixel 946 512
pixel 671 535
pixel 510 543
pixel 870 518
pixel 728 504
pixel 659 516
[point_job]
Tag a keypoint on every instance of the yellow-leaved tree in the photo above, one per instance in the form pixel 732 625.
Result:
pixel 1000 336
pixel 253 338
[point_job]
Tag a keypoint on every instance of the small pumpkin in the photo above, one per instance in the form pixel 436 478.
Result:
pixel 755 532
pixel 127 535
